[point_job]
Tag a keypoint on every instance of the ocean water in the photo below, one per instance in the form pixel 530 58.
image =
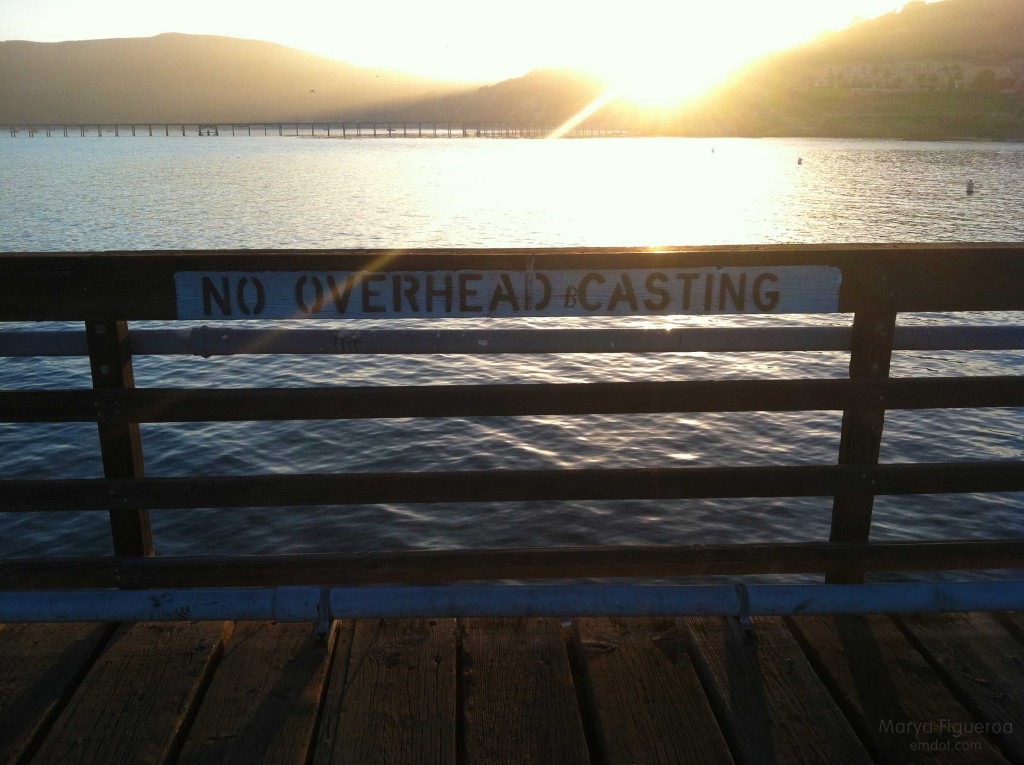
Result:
pixel 75 194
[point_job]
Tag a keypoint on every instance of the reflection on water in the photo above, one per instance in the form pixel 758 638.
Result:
pixel 92 194
pixel 153 193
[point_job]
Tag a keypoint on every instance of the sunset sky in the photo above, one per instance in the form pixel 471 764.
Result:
pixel 639 45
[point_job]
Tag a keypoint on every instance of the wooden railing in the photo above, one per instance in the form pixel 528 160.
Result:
pixel 874 283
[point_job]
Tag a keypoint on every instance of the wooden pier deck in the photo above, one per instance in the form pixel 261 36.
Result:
pixel 922 688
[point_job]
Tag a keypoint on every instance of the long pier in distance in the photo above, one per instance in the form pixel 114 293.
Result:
pixel 315 129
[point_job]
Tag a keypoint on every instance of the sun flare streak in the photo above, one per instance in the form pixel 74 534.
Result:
pixel 355 280
pixel 582 115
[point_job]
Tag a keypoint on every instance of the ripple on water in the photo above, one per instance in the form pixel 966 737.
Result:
pixel 401 193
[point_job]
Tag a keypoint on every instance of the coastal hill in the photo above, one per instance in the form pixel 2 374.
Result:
pixel 948 69
pixel 990 30
pixel 928 70
pixel 178 78
pixel 543 97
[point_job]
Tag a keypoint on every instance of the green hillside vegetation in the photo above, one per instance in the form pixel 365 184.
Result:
pixel 943 115
pixel 783 95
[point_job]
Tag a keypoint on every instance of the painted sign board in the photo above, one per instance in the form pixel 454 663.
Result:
pixel 469 293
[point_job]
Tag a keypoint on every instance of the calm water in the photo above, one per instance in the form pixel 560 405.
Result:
pixel 154 193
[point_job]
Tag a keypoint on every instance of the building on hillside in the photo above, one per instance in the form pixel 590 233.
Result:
pixel 922 75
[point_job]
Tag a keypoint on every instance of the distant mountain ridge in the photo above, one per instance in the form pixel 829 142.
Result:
pixel 543 97
pixel 946 70
pixel 177 77
pixel 188 78
pixel 952 29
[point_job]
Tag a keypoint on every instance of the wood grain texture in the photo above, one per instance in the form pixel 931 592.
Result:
pixel 40 666
pixel 110 363
pixel 333 693
pixel 772 706
pixel 132 704
pixel 140 285
pixel 644 695
pixel 861 438
pixel 893 698
pixel 263 701
pixel 442 566
pixel 1014 621
pixel 395 703
pixel 519 700
pixel 503 399
pixel 982 662
pixel 179 493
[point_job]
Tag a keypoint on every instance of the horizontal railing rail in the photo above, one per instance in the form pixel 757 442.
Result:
pixel 208 341
pixel 450 566
pixel 873 282
pixel 509 486
pixel 504 400
pixel 813 278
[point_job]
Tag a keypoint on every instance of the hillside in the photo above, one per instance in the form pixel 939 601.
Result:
pixel 950 69
pixel 784 94
pixel 989 30
pixel 176 78
pixel 542 97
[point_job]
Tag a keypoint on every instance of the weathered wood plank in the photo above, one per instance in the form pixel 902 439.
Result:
pixel 892 697
pixel 40 666
pixel 772 706
pixel 1014 621
pixel 225 341
pixel 644 694
pixel 263 701
pixel 982 663
pixel 504 399
pixel 861 438
pixel 508 485
pixel 441 566
pixel 518 694
pixel 395 703
pixel 331 696
pixel 140 285
pixel 110 361
pixel 132 704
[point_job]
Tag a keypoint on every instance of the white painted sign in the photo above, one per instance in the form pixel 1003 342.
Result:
pixel 425 294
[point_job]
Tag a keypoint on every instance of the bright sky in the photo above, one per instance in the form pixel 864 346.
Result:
pixel 664 43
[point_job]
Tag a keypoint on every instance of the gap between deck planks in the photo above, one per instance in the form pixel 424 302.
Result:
pixel 511 690
pixel 643 695
pixel 888 691
pixel 40 668
pixel 980 657
pixel 263 702
pixel 115 715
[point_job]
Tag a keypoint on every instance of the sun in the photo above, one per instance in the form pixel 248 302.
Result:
pixel 665 78
pixel 668 53
pixel 663 85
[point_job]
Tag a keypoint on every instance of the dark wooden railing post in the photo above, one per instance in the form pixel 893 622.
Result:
pixel 110 360
pixel 861 439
